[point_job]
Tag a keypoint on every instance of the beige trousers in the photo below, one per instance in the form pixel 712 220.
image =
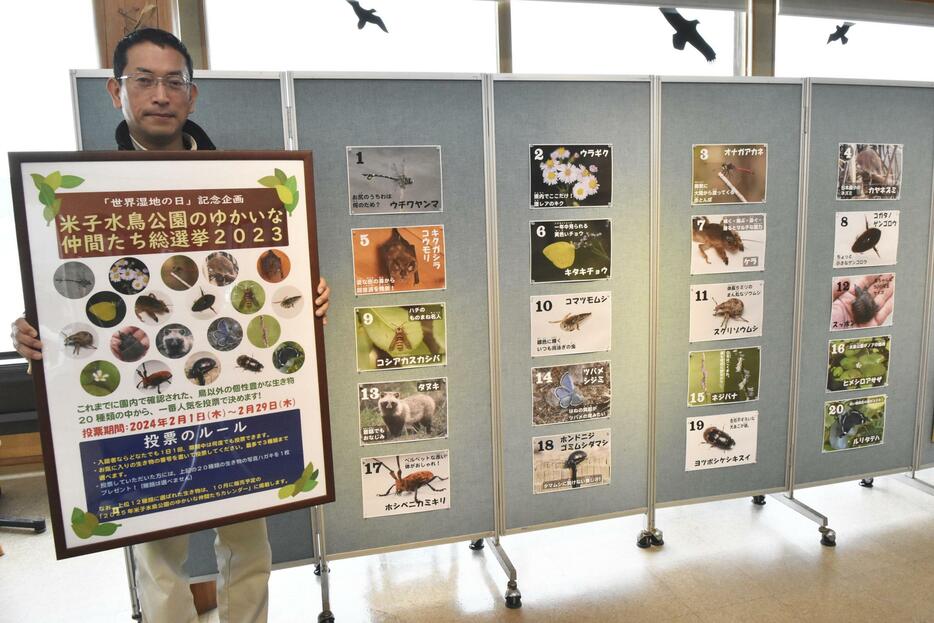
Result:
pixel 244 561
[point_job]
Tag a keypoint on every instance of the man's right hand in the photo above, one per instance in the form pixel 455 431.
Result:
pixel 25 339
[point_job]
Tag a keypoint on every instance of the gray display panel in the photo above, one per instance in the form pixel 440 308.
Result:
pixel 237 113
pixel 846 113
pixel 725 113
pixel 333 114
pixel 574 112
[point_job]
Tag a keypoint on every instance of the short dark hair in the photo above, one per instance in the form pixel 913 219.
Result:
pixel 159 37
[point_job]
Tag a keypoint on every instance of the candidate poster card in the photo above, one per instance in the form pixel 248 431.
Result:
pixel 398 259
pixel 400 484
pixel 726 311
pixel 854 423
pixel 729 173
pixel 865 239
pixel 858 363
pixel 723 376
pixel 568 176
pixel 404 336
pixel 727 243
pixel 569 250
pixel 394 178
pixel 395 411
pixel 570 393
pixel 570 461
pixel 716 441
pixel 869 171
pixel 564 324
pixel 861 301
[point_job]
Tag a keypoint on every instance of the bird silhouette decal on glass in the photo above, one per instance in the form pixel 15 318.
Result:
pixel 840 33
pixel 686 32
pixel 366 15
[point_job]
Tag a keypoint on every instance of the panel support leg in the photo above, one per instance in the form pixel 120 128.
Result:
pixel 650 535
pixel 131 582
pixel 322 569
pixel 513 596
pixel 828 536
pixel 913 481
pixel 867 482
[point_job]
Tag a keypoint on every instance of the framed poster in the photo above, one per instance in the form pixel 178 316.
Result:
pixel 727 243
pixel 869 171
pixel 729 173
pixel 165 286
pixel 393 179
pixel 576 250
pixel 398 259
pixel 570 176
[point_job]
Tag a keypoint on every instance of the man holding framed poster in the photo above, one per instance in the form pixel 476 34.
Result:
pixel 147 430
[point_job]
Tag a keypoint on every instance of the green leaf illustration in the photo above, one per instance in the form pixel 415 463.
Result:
pixel 270 181
pixel 54 179
pixel 299 485
pixel 289 208
pixel 46 194
pixel 38 180
pixel 84 528
pixel 286 491
pixel 309 485
pixel 77 516
pixel 106 529
pixel 314 475
pixel 280 175
pixel 71 181
pixel 292 184
pixel 285 195
pixel 50 212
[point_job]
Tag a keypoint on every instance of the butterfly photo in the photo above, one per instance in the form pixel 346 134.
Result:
pixel 570 393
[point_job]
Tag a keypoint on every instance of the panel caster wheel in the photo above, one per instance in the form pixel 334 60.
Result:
pixel 828 538
pixel 326 617
pixel 645 540
pixel 318 569
pixel 476 545
pixel 866 482
pixel 137 617
pixel 758 500
pixel 513 596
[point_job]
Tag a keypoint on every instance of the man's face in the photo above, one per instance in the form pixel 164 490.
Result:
pixel 155 115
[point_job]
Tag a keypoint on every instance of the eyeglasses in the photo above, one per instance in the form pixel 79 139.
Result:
pixel 148 82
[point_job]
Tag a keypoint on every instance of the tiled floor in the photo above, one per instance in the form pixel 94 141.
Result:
pixel 721 562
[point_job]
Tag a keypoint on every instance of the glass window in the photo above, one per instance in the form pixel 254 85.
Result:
pixel 312 35
pixel 589 38
pixel 36 106
pixel 874 50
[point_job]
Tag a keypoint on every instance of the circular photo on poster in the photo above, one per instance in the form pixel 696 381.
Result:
pixel 273 265
pixel 204 303
pixel 129 275
pixel 247 297
pixel 174 340
pixel 179 272
pixel 220 268
pixel 202 368
pixel 245 362
pixel 153 307
pixel 73 280
pixel 99 378
pixel 79 340
pixel 263 331
pixel 129 344
pixel 152 376
pixel 287 302
pixel 288 357
pixel 105 309
pixel 225 334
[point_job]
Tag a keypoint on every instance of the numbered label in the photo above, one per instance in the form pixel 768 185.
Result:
pixel 406 336
pixel 400 484
pixel 394 179
pixel 716 441
pixel 570 323
pixel 570 250
pixel 571 461
pixel 862 301
pixel 726 311
pixel 570 393
pixel 729 173
pixel 723 376
pixel 865 238
pixel 856 423
pixel 398 411
pixel 569 176
pixel 858 363
pixel 727 243
pixel 398 259
pixel 869 171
